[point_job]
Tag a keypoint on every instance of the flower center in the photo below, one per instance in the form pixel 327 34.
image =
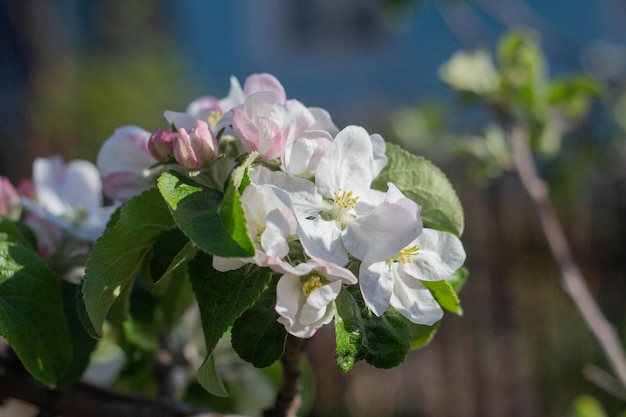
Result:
pixel 344 201
pixel 214 117
pixel 259 231
pixel 406 255
pixel 310 283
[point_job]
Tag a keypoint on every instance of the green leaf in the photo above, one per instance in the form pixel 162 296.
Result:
pixel 421 181
pixel 473 72
pixel 173 291
pixel 31 313
pixel 445 295
pixel 16 232
pixel 117 256
pixel 524 75
pixel 257 336
pixel 421 335
pixel 587 406
pixel 197 213
pixel 210 379
pixel 573 94
pixel 458 279
pixel 222 298
pixel 167 247
pixel 382 341
pixel 82 341
pixel 234 219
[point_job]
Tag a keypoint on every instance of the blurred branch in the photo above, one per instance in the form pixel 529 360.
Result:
pixel 572 279
pixel 83 399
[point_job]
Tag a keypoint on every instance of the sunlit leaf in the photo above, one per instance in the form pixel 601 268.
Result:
pixel 197 212
pixel 118 255
pixel 421 181
pixel 32 318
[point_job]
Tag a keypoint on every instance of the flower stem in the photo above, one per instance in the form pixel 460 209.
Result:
pixel 289 396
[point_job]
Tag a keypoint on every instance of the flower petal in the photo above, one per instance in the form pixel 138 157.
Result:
pixel 440 254
pixel 414 301
pixel 376 282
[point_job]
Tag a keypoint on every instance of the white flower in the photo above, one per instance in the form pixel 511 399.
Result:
pixel 69 196
pixel 433 256
pixel 270 223
pixel 339 214
pixel 304 299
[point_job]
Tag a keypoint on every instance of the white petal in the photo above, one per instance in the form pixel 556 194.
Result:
pixel 381 234
pixel 317 303
pixel 322 239
pixel 289 296
pixel 439 256
pixel 414 301
pixel 376 282
pixel 347 163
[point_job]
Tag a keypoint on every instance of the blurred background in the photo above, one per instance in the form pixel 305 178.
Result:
pixel 72 71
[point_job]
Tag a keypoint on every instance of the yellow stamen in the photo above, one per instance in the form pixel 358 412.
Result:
pixel 310 283
pixel 345 199
pixel 259 231
pixel 406 255
pixel 214 117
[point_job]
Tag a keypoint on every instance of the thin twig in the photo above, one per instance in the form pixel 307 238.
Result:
pixel 288 398
pixel 572 278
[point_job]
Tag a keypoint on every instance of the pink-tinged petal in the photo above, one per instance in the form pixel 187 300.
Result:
pixel 323 121
pixel 124 162
pixel 376 282
pixel 180 120
pixel 303 155
pixel 264 82
pixel 332 271
pixel 395 196
pixel 9 199
pixel 203 107
pixel 440 255
pixel 346 164
pixel 414 301
pixel 381 234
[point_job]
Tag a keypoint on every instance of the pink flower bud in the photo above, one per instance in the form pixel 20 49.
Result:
pixel 161 145
pixel 193 147
pixel 9 199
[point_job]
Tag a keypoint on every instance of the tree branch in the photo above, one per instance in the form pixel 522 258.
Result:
pixel 83 399
pixel 572 278
pixel 288 398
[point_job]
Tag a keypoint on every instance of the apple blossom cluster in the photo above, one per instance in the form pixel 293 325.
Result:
pixel 310 209
pixel 311 212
